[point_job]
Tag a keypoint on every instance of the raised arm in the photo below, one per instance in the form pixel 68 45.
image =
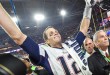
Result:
pixel 86 19
pixel 84 23
pixel 10 27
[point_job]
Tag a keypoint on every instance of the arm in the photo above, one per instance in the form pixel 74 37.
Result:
pixel 84 24
pixel 15 33
pixel 10 27
pixel 86 19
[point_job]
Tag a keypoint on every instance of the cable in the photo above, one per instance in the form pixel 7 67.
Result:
pixel 94 23
pixel 14 10
pixel 102 17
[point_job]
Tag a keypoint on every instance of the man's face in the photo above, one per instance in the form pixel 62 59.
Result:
pixel 53 36
pixel 89 45
pixel 102 39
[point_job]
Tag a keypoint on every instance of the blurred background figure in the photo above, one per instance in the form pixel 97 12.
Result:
pixel 108 34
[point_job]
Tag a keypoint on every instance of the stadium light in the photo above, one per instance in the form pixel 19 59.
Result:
pixel 63 12
pixel 39 17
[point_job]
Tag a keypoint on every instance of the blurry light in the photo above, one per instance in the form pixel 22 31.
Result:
pixel 39 17
pixel 15 19
pixel 35 26
pixel 63 12
pixel 27 27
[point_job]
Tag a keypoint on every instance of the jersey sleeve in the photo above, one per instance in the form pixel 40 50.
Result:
pixel 33 49
pixel 80 38
pixel 77 40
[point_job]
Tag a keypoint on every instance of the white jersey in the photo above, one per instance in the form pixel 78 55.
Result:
pixel 61 61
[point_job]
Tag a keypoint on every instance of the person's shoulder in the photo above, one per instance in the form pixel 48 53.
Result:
pixel 94 55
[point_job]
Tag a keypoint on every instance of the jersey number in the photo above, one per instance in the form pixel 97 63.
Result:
pixel 66 66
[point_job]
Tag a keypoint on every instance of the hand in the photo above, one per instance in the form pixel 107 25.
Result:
pixel 91 3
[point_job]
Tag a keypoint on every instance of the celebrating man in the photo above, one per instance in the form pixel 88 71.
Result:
pixel 56 57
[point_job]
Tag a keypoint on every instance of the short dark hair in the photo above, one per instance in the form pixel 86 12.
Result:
pixel 44 33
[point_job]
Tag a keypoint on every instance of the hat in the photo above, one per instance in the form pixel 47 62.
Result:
pixel 10 65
